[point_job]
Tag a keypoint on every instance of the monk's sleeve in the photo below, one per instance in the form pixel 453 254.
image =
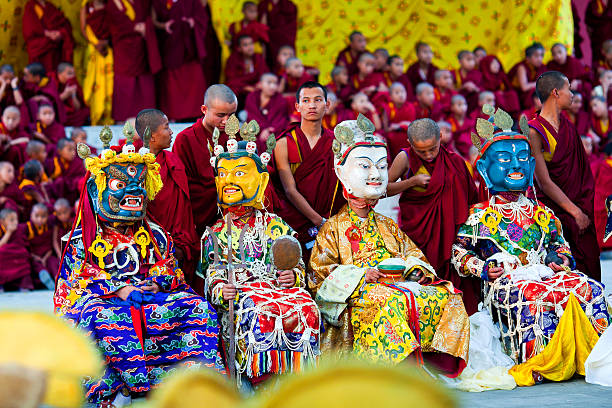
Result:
pixel 33 32
pixel 464 257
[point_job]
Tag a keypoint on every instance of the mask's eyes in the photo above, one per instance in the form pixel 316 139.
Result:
pixel 131 170
pixel 239 173
pixel 115 184
pixel 221 173
pixel 523 157
pixel 382 166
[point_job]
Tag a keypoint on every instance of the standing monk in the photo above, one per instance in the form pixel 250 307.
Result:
pixel 47 34
pixel 192 147
pixel 349 56
pixel 306 182
pixel 564 177
pixel 437 192
pixel 136 57
pixel 182 28
pixel 281 17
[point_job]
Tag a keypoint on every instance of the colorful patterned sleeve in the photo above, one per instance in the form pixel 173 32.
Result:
pixel 464 256
pixel 214 278
pixel 324 257
pixel 558 243
pixel 277 226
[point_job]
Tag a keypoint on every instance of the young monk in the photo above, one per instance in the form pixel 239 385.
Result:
pixel 305 179
pixel 78 135
pixel 35 150
pixel 333 112
pixel 13 140
pixel 249 25
pixel 444 90
pixel 31 185
pixel 349 56
pixel 244 67
pixel 40 88
pixel 395 73
pixel 62 224
pixel 10 194
pixel 295 75
pixel 422 70
pixel 494 79
pixel 45 264
pixel 381 55
pixel 425 105
pixel 577 73
pixel 284 53
pixel 365 79
pixel 468 79
pixel 600 121
pixel 339 84
pixel 66 170
pixel 10 95
pixel 605 86
pixel 562 171
pixel 536 105
pixel 360 103
pixel 15 271
pixel 191 147
pixel 47 129
pixel 461 125
pixel 577 115
pixel 523 75
pixel 174 194
pixel 479 54
pixel 605 62
pixel 71 94
pixel 484 98
pixel 281 17
pixel 397 115
pixel 437 190
pixel 47 34
pixel 268 107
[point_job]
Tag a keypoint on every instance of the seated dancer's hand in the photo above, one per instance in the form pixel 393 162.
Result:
pixel 125 291
pixel 286 278
pixel 229 291
pixel 421 275
pixel 372 275
pixel 556 267
pixel 150 287
pixel 494 273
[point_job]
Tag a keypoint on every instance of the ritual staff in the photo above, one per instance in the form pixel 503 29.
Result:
pixel 268 339
pixel 436 189
pixel 524 74
pixel 422 70
pixel 119 281
pixel 174 194
pixel 562 171
pixel 71 94
pixel 47 34
pixel 192 148
pixel 349 56
pixel 376 320
pixel 281 18
pixel 182 28
pixel 306 184
pixel 515 244
pixel 135 57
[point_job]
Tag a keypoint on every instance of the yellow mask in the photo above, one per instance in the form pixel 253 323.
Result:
pixel 239 183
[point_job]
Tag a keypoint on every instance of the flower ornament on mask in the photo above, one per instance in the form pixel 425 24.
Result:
pixel 360 161
pixel 504 161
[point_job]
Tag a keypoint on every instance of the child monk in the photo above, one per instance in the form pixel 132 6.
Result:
pixel 397 116
pixel 13 140
pixel 35 150
pixel 45 263
pixel 446 135
pixel 10 93
pixel 268 107
pixel 348 56
pixel 244 67
pixel 365 79
pixel 10 194
pixel 47 129
pixel 604 87
pixel 333 112
pixel 32 186
pixel 444 90
pixel 39 88
pixel 605 63
pixel 251 27
pixel 577 73
pixel 422 70
pixel 360 103
pixel 600 121
pixel 536 105
pixel 484 98
pixel 577 115
pixel 461 125
pixel 524 74
pixel 295 75
pixel 494 79
pixel 66 170
pixel 381 56
pixel 425 105
pixel 79 135
pixel 340 83
pixel 468 79
pixel 62 224
pixel 14 256
pixel 71 94
pixel 284 53
pixel 395 73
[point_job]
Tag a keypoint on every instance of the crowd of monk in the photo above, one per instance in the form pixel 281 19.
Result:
pixel 159 58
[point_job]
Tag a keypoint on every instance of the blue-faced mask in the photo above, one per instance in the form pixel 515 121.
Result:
pixel 507 165
pixel 124 198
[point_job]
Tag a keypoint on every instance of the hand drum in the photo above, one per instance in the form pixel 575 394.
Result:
pixel 286 252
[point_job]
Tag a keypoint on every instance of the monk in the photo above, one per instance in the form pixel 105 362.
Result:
pixel 361 104
pixel 249 25
pixel 78 135
pixel 173 195
pixel 339 84
pixel 422 70
pixel 10 93
pixel 281 17
pixel 244 67
pixel 62 224
pixel 579 75
pixel 366 80
pixel 577 115
pixel 437 190
pixel 333 112
pixel 603 189
pixel 191 146
pixel 35 150
pixel 13 140
pixel 305 180
pixel 32 185
pixel 349 56
pixel 397 115
pixel 295 75
pixel 66 170
pixel 268 108
pixel 71 94
pixel 484 98
pixel 444 90
pixel 425 105
pixel 600 121
pixel 494 79
pixel 135 57
pixel 45 264
pixel 47 34
pixel 40 88
pixel 13 251
pixel 395 73
pixel 461 125
pixel 479 54
pixel 181 28
pixel 564 178
pixel 598 20
pixel 284 53
pixel 524 74
pixel 47 129
pixel 468 79
pixel 10 194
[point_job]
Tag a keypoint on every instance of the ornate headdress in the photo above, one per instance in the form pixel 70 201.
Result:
pixel 247 147
pixel 96 165
pixel 498 127
pixel 351 134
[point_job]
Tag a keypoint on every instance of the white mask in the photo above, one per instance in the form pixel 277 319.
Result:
pixel 364 173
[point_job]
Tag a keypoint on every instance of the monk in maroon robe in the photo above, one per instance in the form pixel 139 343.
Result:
pixel 46 129
pixel 395 73
pixel 304 175
pixel 461 126
pixel 192 148
pixel 349 56
pixel 598 21
pixel 437 191
pixel 244 68
pixel 71 94
pixel 181 28
pixel 366 80
pixel 249 26
pixel 66 170
pixel 10 194
pixel 10 94
pixel 281 18
pixel 47 34
pixel 136 57
pixel 444 90
pixel 494 79
pixel 599 121
pixel 577 115
pixel 422 70
pixel 62 224
pixel 13 140
pixel 16 270
pixel 425 105
pixel 39 232
pixel 579 75
pixel 468 79
pixel 41 88
pixel 524 74
pixel 32 186
pixel 564 178
pixel 398 113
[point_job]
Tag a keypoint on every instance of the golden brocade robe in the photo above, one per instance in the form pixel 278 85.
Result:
pixel 378 320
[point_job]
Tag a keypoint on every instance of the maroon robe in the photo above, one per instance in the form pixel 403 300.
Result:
pixel 74 116
pixel 505 96
pixel 39 47
pixel 444 100
pixel 66 177
pixel 532 75
pixel 236 75
pixel 62 229
pixel 343 94
pixel 281 18
pixel 14 258
pixel 462 134
pixel 14 153
pixel 40 243
pixel 178 222
pixel 15 200
pixel 257 31
pixel 49 88
pixel 574 69
pixel 421 112
pixel 274 115
pixel 601 130
pixel 315 179
pixel 598 18
pixel 191 147
pixel 473 76
pixel 569 169
pixel 414 75
pixel 431 218
pixel 183 52
pixel 136 59
pixel 29 188
pixel 54 133
pixel 581 122
pixel 398 139
pixel 603 188
pixel 402 79
pixel 349 60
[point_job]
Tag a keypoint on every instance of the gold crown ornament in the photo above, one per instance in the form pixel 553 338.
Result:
pixel 353 133
pixel 497 127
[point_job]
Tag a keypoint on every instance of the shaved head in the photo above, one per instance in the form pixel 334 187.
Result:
pixel 422 130
pixel 148 118
pixel 12 109
pixel 34 146
pixel 548 82
pixel 61 203
pixel 219 92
